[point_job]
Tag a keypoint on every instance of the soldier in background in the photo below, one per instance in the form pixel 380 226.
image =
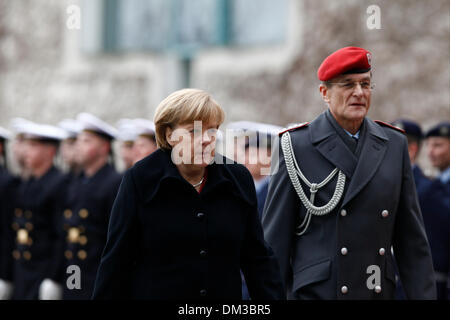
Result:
pixel 256 156
pixel 89 202
pixel 8 185
pixel 126 136
pixel 19 126
pixel 37 217
pixel 414 135
pixel 145 143
pixel 68 146
pixel 435 200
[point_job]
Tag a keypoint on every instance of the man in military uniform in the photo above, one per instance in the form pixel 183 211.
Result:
pixel 435 201
pixel 37 217
pixel 414 135
pixel 342 194
pixel 89 202
pixel 68 146
pixel 126 137
pixel 7 197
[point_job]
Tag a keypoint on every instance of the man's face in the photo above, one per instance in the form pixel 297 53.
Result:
pixel 347 99
pixel 90 147
pixel 68 151
pixel 127 154
pixel 37 153
pixel 439 152
pixel 143 147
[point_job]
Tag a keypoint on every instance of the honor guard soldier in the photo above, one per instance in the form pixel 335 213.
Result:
pixel 145 143
pixel 37 217
pixel 68 146
pixel 342 193
pixel 89 201
pixel 414 135
pixel 126 137
pixel 8 186
pixel 435 201
pixel 257 150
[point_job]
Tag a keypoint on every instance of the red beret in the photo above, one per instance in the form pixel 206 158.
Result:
pixel 345 60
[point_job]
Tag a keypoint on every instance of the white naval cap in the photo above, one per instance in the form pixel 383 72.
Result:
pixel 5 134
pixel 71 126
pixel 38 131
pixel 127 130
pixel 144 126
pixel 92 123
pixel 18 125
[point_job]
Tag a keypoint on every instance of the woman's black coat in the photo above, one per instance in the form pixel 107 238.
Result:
pixel 167 241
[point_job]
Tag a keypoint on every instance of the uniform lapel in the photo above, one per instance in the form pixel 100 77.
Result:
pixel 330 145
pixel 372 153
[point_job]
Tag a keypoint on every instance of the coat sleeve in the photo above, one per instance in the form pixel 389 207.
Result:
pixel 113 275
pixel 411 248
pixel 278 219
pixel 258 261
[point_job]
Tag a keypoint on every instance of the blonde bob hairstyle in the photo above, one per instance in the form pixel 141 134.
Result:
pixel 182 107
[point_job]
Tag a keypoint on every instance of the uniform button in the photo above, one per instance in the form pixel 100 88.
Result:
pixel 22 236
pixel 382 251
pixel 30 241
pixel 377 289
pixel 343 212
pixel 200 215
pixel 15 226
pixel 82 254
pixel 203 253
pixel 203 292
pixel 385 213
pixel 83 240
pixel 83 213
pixel 344 251
pixel 344 289
pixel 68 254
pixel 29 226
pixel 16 254
pixel 67 213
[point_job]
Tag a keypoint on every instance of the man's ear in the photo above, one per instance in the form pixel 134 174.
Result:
pixel 324 93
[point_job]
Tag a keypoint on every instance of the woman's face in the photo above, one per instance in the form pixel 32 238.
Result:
pixel 193 143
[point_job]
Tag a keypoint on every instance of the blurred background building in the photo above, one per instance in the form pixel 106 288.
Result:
pixel 258 58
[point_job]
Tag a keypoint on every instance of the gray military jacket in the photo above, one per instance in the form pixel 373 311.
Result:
pixel 346 254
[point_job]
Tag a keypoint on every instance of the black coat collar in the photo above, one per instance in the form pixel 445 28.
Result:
pixel 157 169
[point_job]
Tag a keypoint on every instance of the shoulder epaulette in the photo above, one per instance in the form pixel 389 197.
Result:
pixel 390 126
pixel 293 127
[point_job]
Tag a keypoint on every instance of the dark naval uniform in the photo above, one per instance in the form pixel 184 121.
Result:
pixel 339 251
pixel 435 202
pixel 8 186
pixel 38 244
pixel 86 216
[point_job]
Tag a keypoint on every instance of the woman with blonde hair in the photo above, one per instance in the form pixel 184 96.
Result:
pixel 185 219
